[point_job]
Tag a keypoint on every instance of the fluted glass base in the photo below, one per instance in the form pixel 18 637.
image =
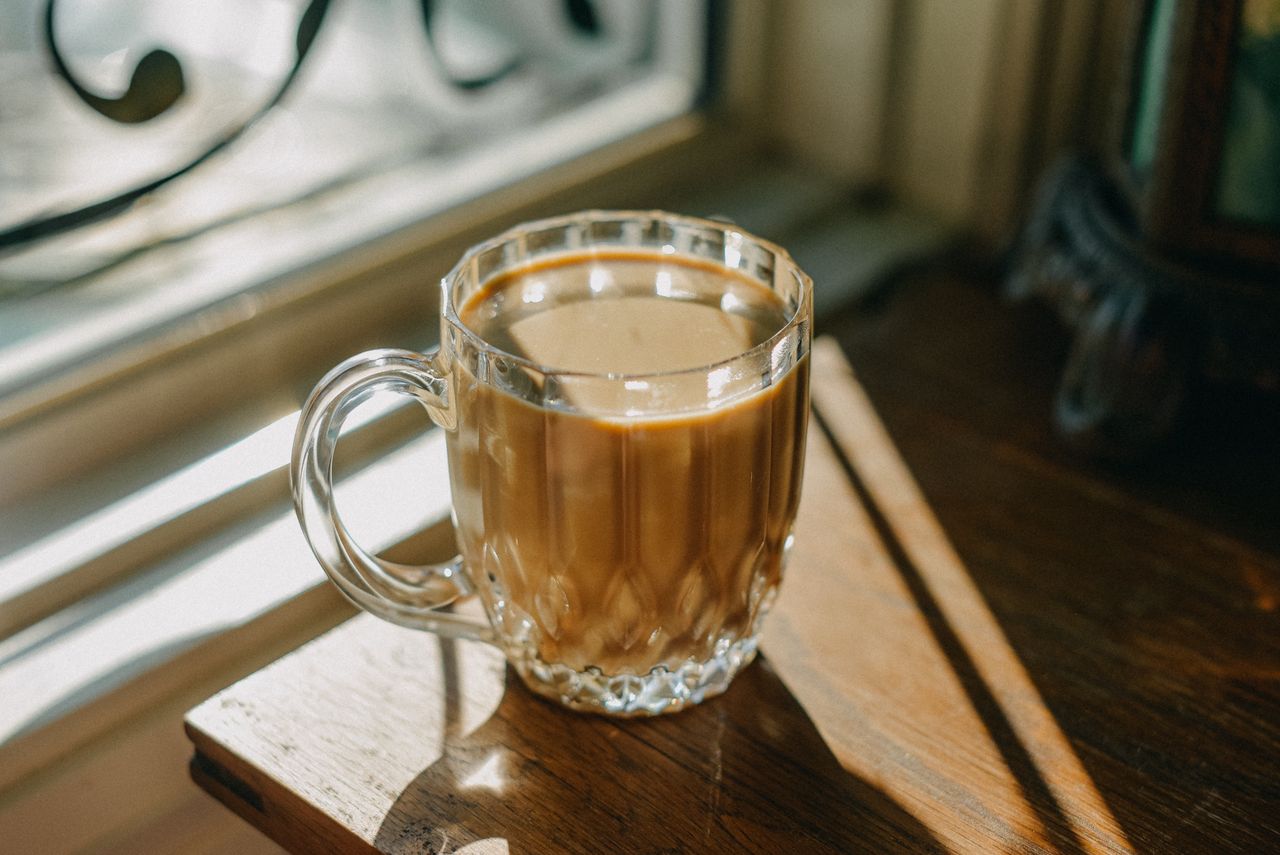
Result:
pixel 661 690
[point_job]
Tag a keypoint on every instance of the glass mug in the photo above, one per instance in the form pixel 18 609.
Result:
pixel 625 530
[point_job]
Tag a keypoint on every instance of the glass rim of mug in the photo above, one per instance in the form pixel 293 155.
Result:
pixel 796 315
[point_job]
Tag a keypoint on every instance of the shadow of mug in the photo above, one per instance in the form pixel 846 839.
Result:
pixel 745 772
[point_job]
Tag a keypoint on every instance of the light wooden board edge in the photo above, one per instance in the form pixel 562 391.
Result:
pixel 860 437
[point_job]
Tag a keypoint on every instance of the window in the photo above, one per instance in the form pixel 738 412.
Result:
pixel 395 116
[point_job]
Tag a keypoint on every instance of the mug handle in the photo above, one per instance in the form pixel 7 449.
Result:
pixel 404 594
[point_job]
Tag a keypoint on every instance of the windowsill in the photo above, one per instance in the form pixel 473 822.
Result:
pixel 107 650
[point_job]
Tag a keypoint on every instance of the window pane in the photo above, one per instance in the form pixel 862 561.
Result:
pixel 438 111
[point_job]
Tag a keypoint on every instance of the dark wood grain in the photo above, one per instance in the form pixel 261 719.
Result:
pixel 1144 602
pixel 982 645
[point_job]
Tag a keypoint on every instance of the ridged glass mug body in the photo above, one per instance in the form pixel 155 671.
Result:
pixel 626 554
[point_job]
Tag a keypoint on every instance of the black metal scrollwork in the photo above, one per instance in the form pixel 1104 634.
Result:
pixel 155 85
pixel 158 83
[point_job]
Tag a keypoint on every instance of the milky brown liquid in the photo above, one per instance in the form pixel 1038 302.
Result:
pixel 615 541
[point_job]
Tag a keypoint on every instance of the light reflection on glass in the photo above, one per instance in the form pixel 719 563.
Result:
pixel 599 280
pixel 731 303
pixel 717 380
pixel 534 292
pixel 662 284
pixel 732 249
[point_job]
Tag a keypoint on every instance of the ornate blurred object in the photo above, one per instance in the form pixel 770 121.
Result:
pixel 1164 253
pixel 158 82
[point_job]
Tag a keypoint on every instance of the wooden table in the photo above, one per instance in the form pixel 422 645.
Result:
pixel 895 709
